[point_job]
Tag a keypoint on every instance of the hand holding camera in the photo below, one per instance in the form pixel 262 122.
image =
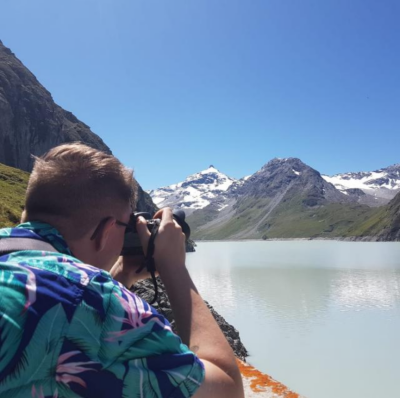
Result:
pixel 166 234
pixel 135 242
pixel 169 243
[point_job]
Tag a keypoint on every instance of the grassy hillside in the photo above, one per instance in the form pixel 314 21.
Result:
pixel 385 223
pixel 293 219
pixel 248 211
pixel 13 184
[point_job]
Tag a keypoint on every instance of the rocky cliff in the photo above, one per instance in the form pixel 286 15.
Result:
pixel 30 121
pixel 145 290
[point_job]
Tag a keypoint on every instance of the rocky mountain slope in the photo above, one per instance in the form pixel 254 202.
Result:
pixel 380 186
pixel 211 186
pixel 285 199
pixel 30 121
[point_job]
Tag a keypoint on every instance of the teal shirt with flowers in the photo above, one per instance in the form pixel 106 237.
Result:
pixel 68 329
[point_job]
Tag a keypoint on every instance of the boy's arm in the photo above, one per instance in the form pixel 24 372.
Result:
pixel 196 326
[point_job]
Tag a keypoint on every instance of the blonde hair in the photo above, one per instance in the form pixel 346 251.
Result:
pixel 75 186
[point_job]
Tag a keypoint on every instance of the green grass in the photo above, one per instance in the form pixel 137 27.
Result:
pixel 293 219
pixel 247 213
pixel 373 225
pixel 201 217
pixel 13 183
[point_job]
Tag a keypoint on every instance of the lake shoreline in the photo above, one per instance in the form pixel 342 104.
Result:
pixel 339 239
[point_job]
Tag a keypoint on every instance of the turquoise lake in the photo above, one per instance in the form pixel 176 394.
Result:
pixel 322 317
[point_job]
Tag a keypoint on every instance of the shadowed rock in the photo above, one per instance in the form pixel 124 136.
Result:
pixel 145 290
pixel 30 121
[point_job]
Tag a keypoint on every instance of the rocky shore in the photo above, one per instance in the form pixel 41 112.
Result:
pixel 145 290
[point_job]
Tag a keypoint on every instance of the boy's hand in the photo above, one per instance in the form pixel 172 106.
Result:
pixel 169 244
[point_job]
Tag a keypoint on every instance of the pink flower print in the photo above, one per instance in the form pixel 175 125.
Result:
pixel 30 287
pixel 82 267
pixel 134 307
pixel 39 394
pixel 65 371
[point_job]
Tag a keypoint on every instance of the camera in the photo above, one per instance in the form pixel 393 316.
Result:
pixel 132 245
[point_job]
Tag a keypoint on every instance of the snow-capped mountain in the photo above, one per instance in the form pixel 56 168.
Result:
pixel 382 184
pixel 196 192
pixel 210 186
pixel 285 195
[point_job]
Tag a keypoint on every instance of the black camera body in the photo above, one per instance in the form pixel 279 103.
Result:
pixel 132 245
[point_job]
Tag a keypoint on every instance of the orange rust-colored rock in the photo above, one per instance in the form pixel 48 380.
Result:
pixel 260 382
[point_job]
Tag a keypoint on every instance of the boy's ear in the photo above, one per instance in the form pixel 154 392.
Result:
pixel 102 237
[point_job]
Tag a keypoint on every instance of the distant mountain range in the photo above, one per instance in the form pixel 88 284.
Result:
pixel 380 185
pixel 285 199
pixel 197 191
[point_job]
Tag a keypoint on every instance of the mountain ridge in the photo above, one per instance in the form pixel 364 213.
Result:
pixel 284 199
pixel 380 185
pixel 370 195
pixel 31 122
pixel 196 192
pixel 256 208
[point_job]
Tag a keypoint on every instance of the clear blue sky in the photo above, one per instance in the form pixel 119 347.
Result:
pixel 173 86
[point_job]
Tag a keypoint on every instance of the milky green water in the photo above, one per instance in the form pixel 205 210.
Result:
pixel 322 317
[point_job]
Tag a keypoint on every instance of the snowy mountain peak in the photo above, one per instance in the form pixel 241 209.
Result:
pixel 195 192
pixel 382 183
pixel 211 169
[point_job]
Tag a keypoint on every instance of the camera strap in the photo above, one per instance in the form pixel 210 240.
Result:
pixel 10 245
pixel 149 262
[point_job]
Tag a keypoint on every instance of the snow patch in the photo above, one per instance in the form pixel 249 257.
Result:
pixel 196 192
pixel 367 181
pixel 383 183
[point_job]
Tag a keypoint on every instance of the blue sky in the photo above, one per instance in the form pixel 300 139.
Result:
pixel 174 86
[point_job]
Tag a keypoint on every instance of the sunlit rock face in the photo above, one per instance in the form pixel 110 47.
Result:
pixel 30 121
pixel 290 175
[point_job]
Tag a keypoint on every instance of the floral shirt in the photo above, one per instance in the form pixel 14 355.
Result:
pixel 68 329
